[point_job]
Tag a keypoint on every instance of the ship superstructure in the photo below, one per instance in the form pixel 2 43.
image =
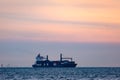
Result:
pixel 45 62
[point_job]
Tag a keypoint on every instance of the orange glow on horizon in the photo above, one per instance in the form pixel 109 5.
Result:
pixel 60 21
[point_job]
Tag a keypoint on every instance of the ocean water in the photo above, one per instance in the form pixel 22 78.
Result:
pixel 60 74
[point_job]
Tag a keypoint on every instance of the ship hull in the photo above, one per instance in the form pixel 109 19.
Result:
pixel 37 66
pixel 54 64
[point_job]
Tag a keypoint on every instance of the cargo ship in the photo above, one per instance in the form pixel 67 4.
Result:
pixel 45 62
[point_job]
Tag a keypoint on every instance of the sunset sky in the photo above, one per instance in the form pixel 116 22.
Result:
pixel 88 31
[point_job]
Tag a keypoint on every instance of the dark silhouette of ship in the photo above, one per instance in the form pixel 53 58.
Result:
pixel 45 62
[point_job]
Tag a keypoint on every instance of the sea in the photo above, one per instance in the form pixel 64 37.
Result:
pixel 79 73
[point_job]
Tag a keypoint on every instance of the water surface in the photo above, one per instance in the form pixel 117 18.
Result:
pixel 60 74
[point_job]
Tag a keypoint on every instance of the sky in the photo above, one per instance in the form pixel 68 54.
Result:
pixel 88 31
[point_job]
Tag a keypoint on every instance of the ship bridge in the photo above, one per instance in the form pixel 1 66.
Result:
pixel 39 58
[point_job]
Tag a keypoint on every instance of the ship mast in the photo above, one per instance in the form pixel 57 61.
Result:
pixel 61 57
pixel 47 57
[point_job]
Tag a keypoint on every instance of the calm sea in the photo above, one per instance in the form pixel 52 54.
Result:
pixel 60 74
